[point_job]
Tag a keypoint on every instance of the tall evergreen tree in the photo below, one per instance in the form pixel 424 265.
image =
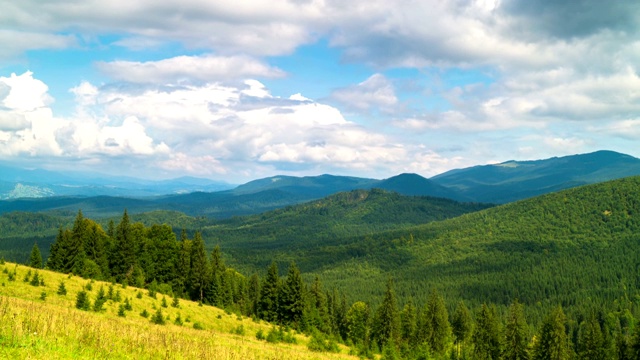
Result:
pixel 318 310
pixel 516 342
pixel 590 340
pixel 164 253
pixel 35 260
pixel 268 305
pixel 386 322
pixel 123 257
pixel 462 326
pixel 96 245
pixel 358 323
pixel 552 342
pixel 199 272
pixel 183 263
pixel 253 294
pixel 440 329
pixel 292 297
pixel 486 335
pixel 408 323
pixel 54 262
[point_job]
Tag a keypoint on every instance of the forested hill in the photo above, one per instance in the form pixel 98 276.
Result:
pixel 319 222
pixel 578 247
pixel 516 180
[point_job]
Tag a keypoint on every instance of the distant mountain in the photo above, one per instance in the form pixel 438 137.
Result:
pixel 416 185
pixel 308 186
pixel 24 183
pixel 515 180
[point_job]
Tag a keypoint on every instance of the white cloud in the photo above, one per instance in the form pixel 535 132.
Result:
pixel 186 69
pixel 377 92
pixel 16 42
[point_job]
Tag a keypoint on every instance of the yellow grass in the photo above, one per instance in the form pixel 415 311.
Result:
pixel 31 328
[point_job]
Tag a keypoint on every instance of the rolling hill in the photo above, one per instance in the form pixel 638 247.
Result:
pixel 515 180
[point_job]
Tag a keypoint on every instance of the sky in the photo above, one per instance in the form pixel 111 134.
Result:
pixel 235 91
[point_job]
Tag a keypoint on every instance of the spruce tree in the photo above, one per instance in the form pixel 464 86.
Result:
pixel 408 323
pixel 253 294
pixel 268 304
pixel 516 342
pixel 199 272
pixel 35 260
pixel 462 326
pixel 358 323
pixel 318 311
pixel 439 323
pixel 386 322
pixel 486 336
pixel 292 297
pixel 123 258
pixel 591 340
pixel 552 342
pixel 82 300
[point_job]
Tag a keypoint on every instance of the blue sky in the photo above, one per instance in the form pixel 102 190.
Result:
pixel 161 89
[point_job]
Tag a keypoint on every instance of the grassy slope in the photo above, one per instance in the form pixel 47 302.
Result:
pixel 54 329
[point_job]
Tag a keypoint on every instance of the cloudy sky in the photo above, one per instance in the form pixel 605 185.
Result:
pixel 247 89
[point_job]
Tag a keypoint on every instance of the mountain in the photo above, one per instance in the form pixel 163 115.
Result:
pixel 515 180
pixel 577 247
pixel 38 183
pixel 416 185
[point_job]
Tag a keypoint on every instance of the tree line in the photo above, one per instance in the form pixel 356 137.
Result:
pixel 153 257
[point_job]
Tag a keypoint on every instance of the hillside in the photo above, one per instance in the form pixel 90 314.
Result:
pixel 37 322
pixel 577 247
pixel 515 180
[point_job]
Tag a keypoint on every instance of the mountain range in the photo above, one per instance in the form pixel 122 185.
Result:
pixel 40 190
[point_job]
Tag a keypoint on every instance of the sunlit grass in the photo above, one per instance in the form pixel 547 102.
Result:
pixel 32 328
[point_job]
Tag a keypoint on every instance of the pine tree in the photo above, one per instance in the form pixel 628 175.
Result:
pixel 358 323
pixel 123 258
pixel 438 323
pixel 54 262
pixel 292 297
pixel 35 260
pixel 318 311
pixel 253 294
pixel 82 300
pixel 62 290
pixel 408 323
pixel 199 273
pixel 268 304
pixel 96 244
pixel 591 340
pixel 486 337
pixel 552 342
pixel 386 322
pixel 516 343
pixel 462 326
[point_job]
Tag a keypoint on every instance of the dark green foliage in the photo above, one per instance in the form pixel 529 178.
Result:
pixel 122 311
pixel 292 297
pixel 198 326
pixel 591 342
pixel 158 318
pixel 144 313
pixel 123 257
pixel 461 326
pixel 82 300
pixel 178 320
pixel 43 296
pixel 239 330
pixel 438 329
pixel 127 305
pixel 101 298
pixel 278 334
pixel 516 346
pixel 35 260
pixel 163 303
pixel 320 343
pixel 357 319
pixel 552 341
pixel 386 322
pixel 260 335
pixel 199 273
pixel 175 302
pixel 35 279
pixel 408 323
pixel 486 336
pixel 268 304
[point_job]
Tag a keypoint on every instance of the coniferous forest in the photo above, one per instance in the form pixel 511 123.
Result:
pixel 578 301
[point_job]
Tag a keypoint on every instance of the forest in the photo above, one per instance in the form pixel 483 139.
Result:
pixel 424 277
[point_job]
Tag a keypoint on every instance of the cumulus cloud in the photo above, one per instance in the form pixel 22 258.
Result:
pixel 180 69
pixel 376 92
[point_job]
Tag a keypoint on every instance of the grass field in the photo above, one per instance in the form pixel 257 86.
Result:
pixel 38 323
